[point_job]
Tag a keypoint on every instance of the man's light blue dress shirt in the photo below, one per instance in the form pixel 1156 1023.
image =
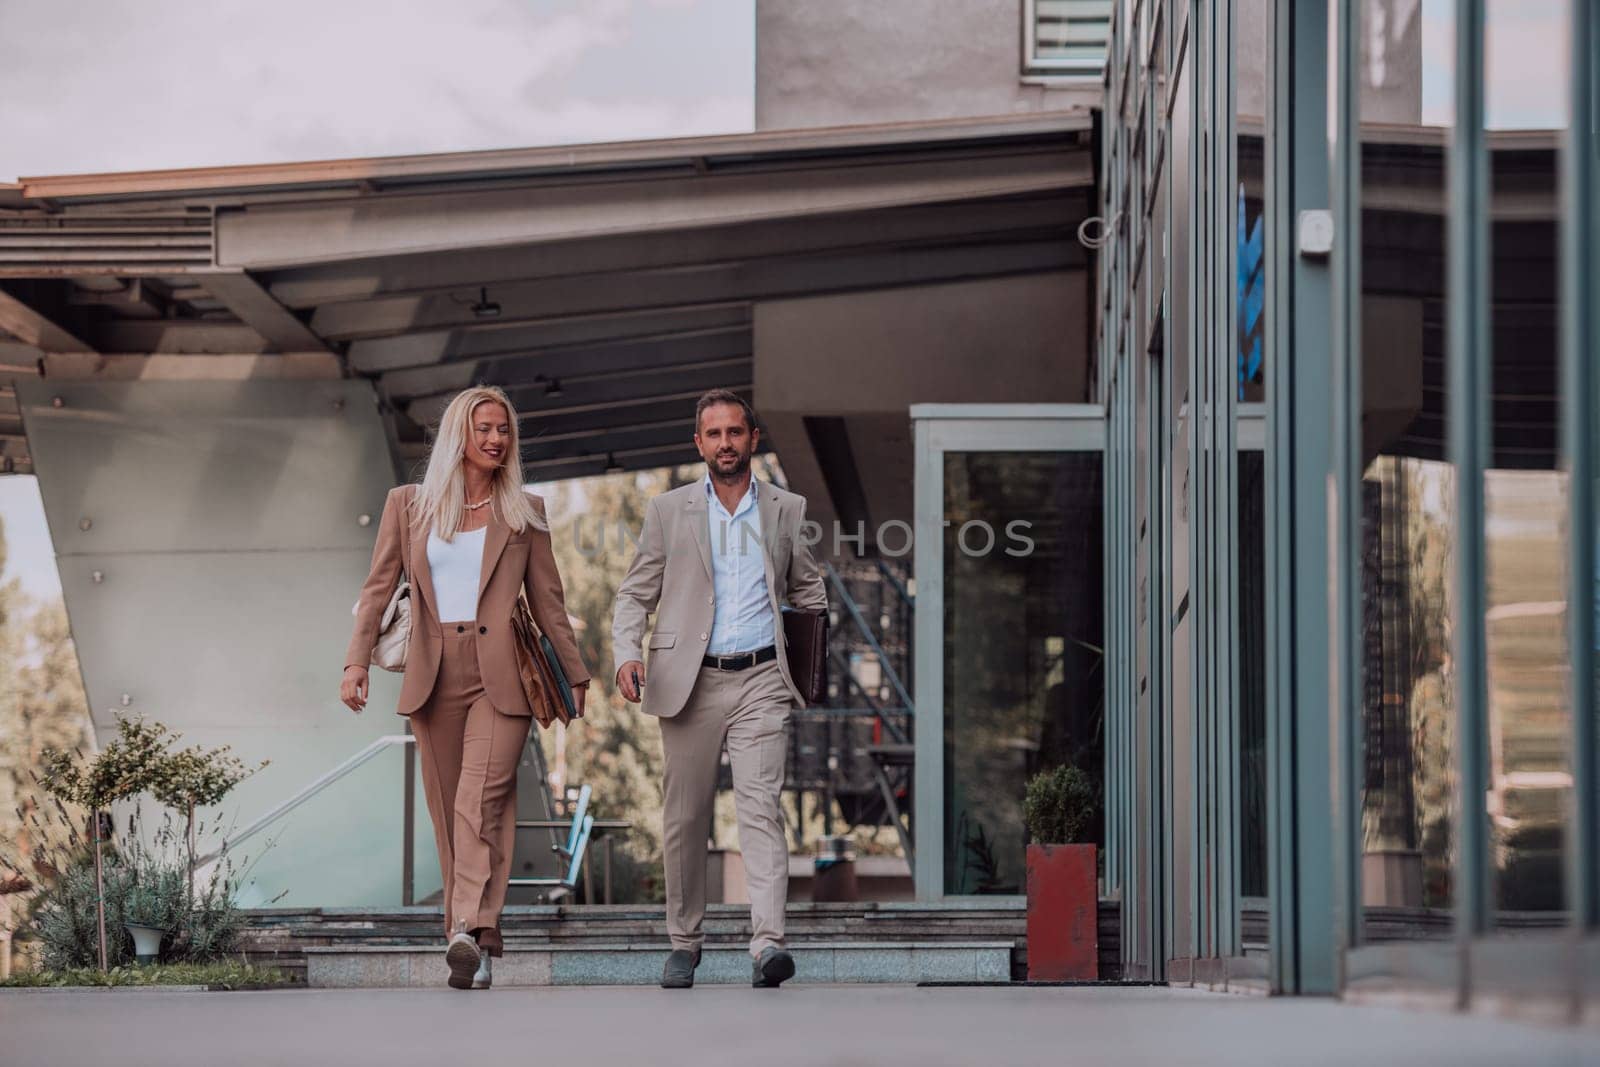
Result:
pixel 743 621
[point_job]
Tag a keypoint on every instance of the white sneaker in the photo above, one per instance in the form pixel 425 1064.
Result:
pixel 463 957
pixel 485 976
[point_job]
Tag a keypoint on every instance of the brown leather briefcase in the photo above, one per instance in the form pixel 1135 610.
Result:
pixel 544 682
pixel 805 638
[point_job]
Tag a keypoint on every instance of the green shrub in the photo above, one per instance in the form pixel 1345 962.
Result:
pixel 1060 807
pixel 148 886
pixel 226 974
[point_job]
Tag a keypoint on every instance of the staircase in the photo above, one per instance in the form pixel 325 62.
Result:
pixel 976 941
pixel 851 755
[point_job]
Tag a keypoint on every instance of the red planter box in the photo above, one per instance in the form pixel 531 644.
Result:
pixel 1063 914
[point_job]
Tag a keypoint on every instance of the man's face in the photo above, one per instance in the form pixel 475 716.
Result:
pixel 725 440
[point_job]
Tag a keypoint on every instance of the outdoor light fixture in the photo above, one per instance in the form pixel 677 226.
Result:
pixel 146 942
pixel 612 466
pixel 485 308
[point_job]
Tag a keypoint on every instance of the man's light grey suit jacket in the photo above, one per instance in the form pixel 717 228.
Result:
pixel 671 576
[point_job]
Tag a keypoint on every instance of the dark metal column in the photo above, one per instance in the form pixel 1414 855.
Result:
pixel 1345 699
pixel 1302 822
pixel 1580 338
pixel 1468 367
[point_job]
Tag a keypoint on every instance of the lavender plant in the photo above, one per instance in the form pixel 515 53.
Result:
pixel 120 770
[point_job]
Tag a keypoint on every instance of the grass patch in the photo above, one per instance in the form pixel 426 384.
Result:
pixel 228 974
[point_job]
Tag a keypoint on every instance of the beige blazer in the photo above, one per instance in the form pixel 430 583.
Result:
pixel 671 576
pixel 512 562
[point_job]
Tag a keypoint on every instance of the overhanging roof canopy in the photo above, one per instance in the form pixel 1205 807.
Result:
pixel 604 286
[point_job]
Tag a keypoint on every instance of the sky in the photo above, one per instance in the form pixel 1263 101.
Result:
pixel 110 85
pixel 1525 63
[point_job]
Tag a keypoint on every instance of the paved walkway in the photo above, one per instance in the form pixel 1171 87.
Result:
pixel 712 1026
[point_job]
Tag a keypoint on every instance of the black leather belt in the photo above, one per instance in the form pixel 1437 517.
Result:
pixel 741 661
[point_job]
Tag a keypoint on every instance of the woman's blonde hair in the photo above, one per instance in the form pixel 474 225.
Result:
pixel 442 499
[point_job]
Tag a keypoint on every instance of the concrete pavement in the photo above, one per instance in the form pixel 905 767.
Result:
pixel 715 1026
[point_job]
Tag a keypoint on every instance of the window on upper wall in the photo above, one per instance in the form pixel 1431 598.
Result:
pixel 1066 38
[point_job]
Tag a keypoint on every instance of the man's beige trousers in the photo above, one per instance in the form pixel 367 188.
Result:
pixel 749 710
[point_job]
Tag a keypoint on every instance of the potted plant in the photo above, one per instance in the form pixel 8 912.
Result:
pixel 144 916
pixel 120 770
pixel 1059 811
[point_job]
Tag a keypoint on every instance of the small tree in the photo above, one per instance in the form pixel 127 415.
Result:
pixel 194 778
pixel 120 770
pixel 1060 806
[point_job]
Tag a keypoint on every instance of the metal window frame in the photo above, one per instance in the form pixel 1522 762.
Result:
pixel 1118 851
pixel 1313 341
pixel 1482 964
pixel 1304 955
pixel 1224 488
pixel 1200 54
pixel 1136 848
pixel 936 430
pixel 1346 688
pixel 1174 920
pixel 1467 369
pixel 1580 391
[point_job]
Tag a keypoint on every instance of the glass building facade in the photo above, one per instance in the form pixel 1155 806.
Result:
pixel 1346 335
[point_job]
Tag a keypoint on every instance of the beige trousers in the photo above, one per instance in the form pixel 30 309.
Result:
pixel 748 710
pixel 469 754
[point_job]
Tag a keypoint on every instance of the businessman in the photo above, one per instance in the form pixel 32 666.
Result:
pixel 716 562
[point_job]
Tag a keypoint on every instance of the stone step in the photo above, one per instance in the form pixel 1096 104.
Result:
pixel 572 925
pixel 627 931
pixel 595 913
pixel 284 937
pixel 401 966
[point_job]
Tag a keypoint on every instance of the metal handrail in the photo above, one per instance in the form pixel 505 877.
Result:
pixel 378 745
pixel 873 708
pixel 866 632
pixel 895 583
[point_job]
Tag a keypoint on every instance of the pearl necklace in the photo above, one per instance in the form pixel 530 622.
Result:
pixel 479 504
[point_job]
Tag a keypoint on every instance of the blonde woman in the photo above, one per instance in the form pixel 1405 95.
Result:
pixel 470 540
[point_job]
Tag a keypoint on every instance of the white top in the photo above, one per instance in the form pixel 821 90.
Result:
pixel 742 621
pixel 456 565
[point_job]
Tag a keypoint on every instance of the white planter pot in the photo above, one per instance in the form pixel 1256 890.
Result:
pixel 146 941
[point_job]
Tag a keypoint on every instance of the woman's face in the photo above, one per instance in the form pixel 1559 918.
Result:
pixel 488 436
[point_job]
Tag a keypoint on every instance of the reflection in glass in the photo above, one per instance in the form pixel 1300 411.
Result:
pixel 1024 681
pixel 1250 98
pixel 1252 571
pixel 1530 778
pixel 1529 720
pixel 1179 741
pixel 1407 702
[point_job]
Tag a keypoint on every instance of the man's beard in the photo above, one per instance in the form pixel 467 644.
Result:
pixel 730 473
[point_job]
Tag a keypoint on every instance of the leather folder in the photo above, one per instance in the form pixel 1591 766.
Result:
pixel 805 638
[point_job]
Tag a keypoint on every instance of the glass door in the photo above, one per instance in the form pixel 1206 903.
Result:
pixel 1010 628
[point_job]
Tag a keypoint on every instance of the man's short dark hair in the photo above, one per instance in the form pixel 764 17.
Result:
pixel 724 396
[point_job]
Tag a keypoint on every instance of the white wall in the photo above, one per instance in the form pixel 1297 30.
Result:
pixel 848 62
pixel 224 523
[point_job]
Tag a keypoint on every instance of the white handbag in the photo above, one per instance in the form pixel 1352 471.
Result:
pixel 394 629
